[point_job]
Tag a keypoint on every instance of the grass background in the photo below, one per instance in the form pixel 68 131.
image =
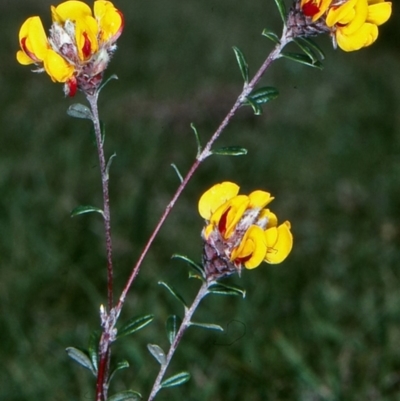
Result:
pixel 325 325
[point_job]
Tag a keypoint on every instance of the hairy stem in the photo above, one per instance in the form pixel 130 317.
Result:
pixel 105 341
pixel 184 325
pixel 275 54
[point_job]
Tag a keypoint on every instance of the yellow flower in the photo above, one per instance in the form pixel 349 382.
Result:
pixel 240 231
pixel 79 46
pixel 356 22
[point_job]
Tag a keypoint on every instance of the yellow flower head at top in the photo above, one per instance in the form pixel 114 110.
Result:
pixel 353 23
pixel 240 231
pixel 79 46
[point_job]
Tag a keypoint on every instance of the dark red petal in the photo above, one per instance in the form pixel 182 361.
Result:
pixel 87 46
pixel 310 9
pixel 72 86
pixel 222 222
pixel 25 49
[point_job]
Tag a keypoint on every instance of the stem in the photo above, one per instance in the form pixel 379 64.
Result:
pixel 106 338
pixel 275 54
pixel 184 325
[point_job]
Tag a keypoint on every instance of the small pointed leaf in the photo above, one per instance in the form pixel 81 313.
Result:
pixel 158 353
pixel 134 324
pixel 81 357
pixel 196 134
pixel 174 293
pixel 282 9
pixel 93 349
pixel 311 47
pixel 178 173
pixel 209 326
pixel 241 60
pixel 223 289
pixel 230 151
pixel 128 395
pixel 196 266
pixel 302 59
pixel 110 78
pixel 270 35
pixel 255 106
pixel 264 95
pixel 172 325
pixel 110 160
pixel 85 209
pixel 78 110
pixel 176 380
pixel 120 365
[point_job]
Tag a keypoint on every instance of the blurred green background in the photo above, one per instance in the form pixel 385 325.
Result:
pixel 324 325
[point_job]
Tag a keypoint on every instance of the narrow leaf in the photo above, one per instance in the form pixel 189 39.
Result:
pixel 174 293
pixel 172 325
pixel 134 324
pixel 178 173
pixel 282 9
pixel 176 380
pixel 241 60
pixel 80 357
pixel 196 134
pixel 110 160
pixel 224 289
pixel 230 151
pixel 209 326
pixel 85 209
pixel 128 395
pixel 120 365
pixel 158 353
pixel 113 76
pixel 264 95
pixel 79 110
pixel 302 59
pixel 255 106
pixel 93 349
pixel 270 35
pixel 312 46
pixel 196 266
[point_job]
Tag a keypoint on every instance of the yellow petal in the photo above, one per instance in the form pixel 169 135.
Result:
pixel 213 198
pixel 279 243
pixel 71 10
pixel 237 206
pixel 33 33
pixel 260 199
pixel 378 14
pixel 110 20
pixel 361 13
pixel 365 36
pixel 23 58
pixel 57 67
pixel 86 30
pixel 252 248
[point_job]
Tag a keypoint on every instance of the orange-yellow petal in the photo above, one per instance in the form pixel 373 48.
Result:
pixel 33 40
pixel 86 30
pixel 213 198
pixel 336 14
pixel 279 243
pixel 110 20
pixel 57 67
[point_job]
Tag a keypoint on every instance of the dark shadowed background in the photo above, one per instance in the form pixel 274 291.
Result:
pixel 324 325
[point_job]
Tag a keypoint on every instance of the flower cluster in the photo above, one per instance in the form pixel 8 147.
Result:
pixel 240 231
pixel 353 23
pixel 79 46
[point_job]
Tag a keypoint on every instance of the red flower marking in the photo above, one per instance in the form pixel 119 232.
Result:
pixel 25 49
pixel 310 9
pixel 86 48
pixel 71 86
pixel 222 222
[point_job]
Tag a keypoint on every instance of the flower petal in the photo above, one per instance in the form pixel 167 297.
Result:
pixel 110 20
pixel 70 10
pixel 260 199
pixel 217 195
pixel 365 36
pixel 57 67
pixel 378 14
pixel 279 243
pixel 33 40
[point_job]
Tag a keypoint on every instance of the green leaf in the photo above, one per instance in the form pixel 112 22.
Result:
pixel 224 289
pixel 174 293
pixel 209 326
pixel 93 349
pixel 172 325
pixel 110 160
pixel 282 9
pixel 158 353
pixel 78 110
pixel 311 47
pixel 120 365
pixel 81 357
pixel 255 106
pixel 113 76
pixel 134 324
pixel 178 173
pixel 302 59
pixel 264 95
pixel 85 209
pixel 241 60
pixel 196 134
pixel 270 35
pixel 196 266
pixel 128 395
pixel 230 151
pixel 176 380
